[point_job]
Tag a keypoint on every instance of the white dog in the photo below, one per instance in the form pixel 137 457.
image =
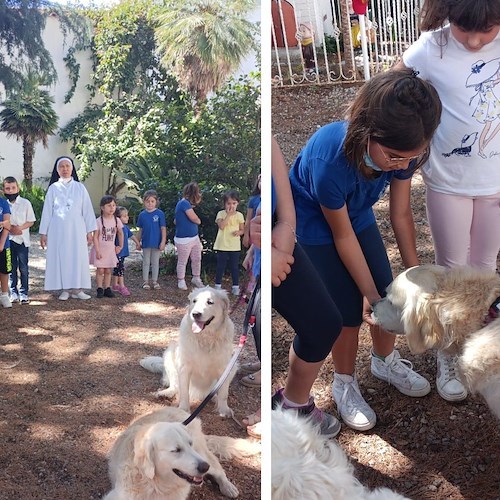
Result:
pixel 158 458
pixel 305 465
pixel 453 310
pixel 192 366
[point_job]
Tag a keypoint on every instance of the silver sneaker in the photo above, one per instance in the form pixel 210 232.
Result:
pixel 354 410
pixel 448 382
pixel 399 372
pixel 5 300
pixel 197 283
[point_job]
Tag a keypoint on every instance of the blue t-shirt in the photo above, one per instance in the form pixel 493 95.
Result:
pixel 322 175
pixel 151 224
pixel 127 233
pixel 184 227
pixel 4 209
pixel 256 255
pixel 254 203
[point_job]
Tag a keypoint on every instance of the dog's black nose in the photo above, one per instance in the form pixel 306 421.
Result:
pixel 196 315
pixel 203 467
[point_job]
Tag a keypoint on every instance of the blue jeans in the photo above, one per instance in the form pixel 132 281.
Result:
pixel 19 254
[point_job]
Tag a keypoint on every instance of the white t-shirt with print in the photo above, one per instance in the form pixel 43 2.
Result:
pixel 463 160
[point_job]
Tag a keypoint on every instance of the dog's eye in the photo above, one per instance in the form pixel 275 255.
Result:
pixel 210 301
pixel 194 301
pixel 177 450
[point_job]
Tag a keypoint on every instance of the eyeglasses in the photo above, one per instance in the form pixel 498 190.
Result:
pixel 394 160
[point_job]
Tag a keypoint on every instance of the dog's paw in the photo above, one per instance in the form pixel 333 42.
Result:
pixel 228 489
pixel 165 393
pixel 225 411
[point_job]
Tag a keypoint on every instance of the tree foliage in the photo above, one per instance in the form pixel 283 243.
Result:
pixel 29 116
pixel 204 41
pixel 21 27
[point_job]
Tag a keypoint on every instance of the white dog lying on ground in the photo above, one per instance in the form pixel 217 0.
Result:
pixel 192 366
pixel 158 458
pixel 454 310
pixel 305 465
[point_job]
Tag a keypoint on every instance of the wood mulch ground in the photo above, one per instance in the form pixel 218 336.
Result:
pixel 70 383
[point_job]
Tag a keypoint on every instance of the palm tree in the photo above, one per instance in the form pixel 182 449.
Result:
pixel 29 116
pixel 204 41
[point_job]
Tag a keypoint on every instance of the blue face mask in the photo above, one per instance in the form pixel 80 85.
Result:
pixel 370 163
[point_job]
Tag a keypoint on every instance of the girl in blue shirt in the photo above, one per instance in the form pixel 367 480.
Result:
pixel 153 237
pixel 344 169
pixel 186 238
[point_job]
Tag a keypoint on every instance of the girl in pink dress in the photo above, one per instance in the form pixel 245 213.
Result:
pixel 103 254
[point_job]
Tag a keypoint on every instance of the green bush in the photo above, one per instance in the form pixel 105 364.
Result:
pixel 36 196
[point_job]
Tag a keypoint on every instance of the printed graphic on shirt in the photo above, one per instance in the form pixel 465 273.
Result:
pixel 108 233
pixel 483 78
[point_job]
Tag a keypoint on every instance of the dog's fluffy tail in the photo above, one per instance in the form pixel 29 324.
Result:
pixel 152 364
pixel 225 447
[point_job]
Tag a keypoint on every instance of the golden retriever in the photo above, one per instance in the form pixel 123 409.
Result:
pixel 306 465
pixel 449 309
pixel 192 366
pixel 158 458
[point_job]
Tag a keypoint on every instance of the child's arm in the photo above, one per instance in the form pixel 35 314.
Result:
pixel 5 233
pixel 191 215
pixel 95 236
pixel 240 231
pixel 222 223
pixel 137 242
pixel 139 239
pixel 18 230
pixel 163 241
pixel 118 249
pixel 248 260
pixel 246 235
pixel 402 221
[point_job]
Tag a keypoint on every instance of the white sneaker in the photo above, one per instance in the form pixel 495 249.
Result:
pixel 399 373
pixel 14 297
pixel 64 295
pixel 448 382
pixel 217 287
pixel 352 407
pixel 197 282
pixel 235 290
pixel 80 295
pixel 5 300
pixel 181 284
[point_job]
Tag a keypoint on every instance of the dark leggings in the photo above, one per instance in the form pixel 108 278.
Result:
pixel 302 299
pixel 234 261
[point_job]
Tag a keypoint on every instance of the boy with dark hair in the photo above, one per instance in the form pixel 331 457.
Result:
pixel 22 218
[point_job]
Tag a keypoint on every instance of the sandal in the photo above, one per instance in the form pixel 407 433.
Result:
pixel 156 285
pixel 254 430
pixel 146 286
pixel 252 423
pixel 248 368
pixel 251 380
pixel 252 419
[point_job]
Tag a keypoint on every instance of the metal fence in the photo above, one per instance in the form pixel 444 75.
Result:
pixel 323 41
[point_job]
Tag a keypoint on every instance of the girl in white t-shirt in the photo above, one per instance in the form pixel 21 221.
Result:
pixel 459 53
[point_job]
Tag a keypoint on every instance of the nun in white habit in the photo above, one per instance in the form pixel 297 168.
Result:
pixel 66 227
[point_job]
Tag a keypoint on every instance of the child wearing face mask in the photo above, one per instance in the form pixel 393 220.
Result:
pixel 343 170
pixel 21 219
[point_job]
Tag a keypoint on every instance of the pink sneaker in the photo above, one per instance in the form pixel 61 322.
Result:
pixel 116 288
pixel 124 291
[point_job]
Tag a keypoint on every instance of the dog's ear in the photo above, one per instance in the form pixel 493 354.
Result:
pixel 421 322
pixel 224 299
pixel 143 452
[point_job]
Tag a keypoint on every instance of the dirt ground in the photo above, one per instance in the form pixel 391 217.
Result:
pixel 423 448
pixel 71 383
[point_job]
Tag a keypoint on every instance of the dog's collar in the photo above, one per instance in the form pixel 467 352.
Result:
pixel 493 312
